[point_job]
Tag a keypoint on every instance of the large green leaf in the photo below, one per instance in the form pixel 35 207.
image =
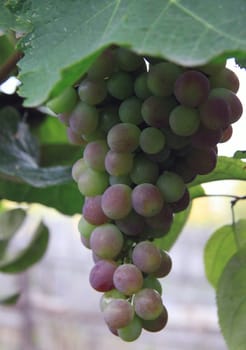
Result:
pixel 19 154
pixel 221 246
pixel 231 301
pixel 68 35
pixel 30 255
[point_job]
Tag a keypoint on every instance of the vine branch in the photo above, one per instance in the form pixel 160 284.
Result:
pixel 9 65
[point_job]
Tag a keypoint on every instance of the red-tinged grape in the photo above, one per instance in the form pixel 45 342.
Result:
pixel 226 134
pixel 101 275
pixel 128 279
pixel 202 161
pixel 147 199
pixel 84 119
pixel 161 222
pixel 184 121
pixel 146 256
pixel 156 110
pixel 144 170
pixel 92 183
pixel 106 241
pixel 161 156
pixel 130 111
pixel 152 282
pixel 109 296
pixel 103 66
pixel 118 163
pixel 212 67
pixel 152 140
pixel 175 141
pixel 85 228
pixel 92 91
pixel 148 304
pixel 171 186
pixel 215 113
pixel 141 87
pixel 233 101
pixel 75 138
pixel 95 153
pixel 122 179
pixel 123 137
pixel 92 211
pixel 205 138
pixel 118 313
pixel 131 225
pixel 128 60
pixel 182 168
pixel 161 78
pixel 116 201
pixel 157 324
pixel 165 266
pixel 65 102
pixel 109 117
pixel 191 88
pixel 132 331
pixel 182 203
pixel 225 78
pixel 120 85
pixel 78 168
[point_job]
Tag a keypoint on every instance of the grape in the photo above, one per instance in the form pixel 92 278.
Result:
pixel 128 60
pixel 65 102
pixel 182 168
pixel 109 117
pixel 148 304
pixel 213 67
pixel 184 121
pixel 120 85
pixel 205 138
pixel 122 179
pixel 132 331
pixel 171 186
pixel 84 119
pixel 161 156
pixel 116 201
pixel 226 134
pixel 118 313
pixel 85 241
pixel 175 141
pixel 106 241
pixel 202 161
pixel 141 87
pixel 233 101
pixel 215 113
pixel 225 78
pixel 92 210
pixel 74 138
pixel 146 256
pixel 123 137
pixel 95 153
pixel 191 88
pixel 155 110
pixel 101 275
pixel 103 66
pixel 92 91
pixel 152 282
pixel 85 228
pixel 77 169
pixel 107 297
pixel 131 225
pixel 118 164
pixel 161 222
pixel 147 199
pixel 130 111
pixel 128 279
pixel 144 170
pixel 165 266
pixel 182 203
pixel 157 324
pixel 96 135
pixel 64 118
pixel 151 140
pixel 161 78
pixel 92 183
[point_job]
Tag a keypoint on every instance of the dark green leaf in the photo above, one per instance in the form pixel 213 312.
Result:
pixel 221 246
pixel 30 255
pixel 19 154
pixel 231 301
pixel 239 155
pixel 241 62
pixel 71 34
pixel 10 300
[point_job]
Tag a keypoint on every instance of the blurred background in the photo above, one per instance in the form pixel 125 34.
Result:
pixel 59 310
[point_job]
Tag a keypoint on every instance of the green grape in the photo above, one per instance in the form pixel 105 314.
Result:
pixel 171 186
pixel 109 116
pixel 184 121
pixel 92 91
pixel 123 137
pixel 92 183
pixel 118 164
pixel 77 169
pixel 141 87
pixel 152 140
pixel 152 282
pixel 84 119
pixel 107 297
pixel 144 170
pixel 132 331
pixel 65 102
pixel 120 85
pixel 104 65
pixel 85 228
pixel 128 60
pixel 225 78
pixel 130 111
pixel 121 179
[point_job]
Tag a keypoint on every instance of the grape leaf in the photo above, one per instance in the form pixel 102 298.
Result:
pixel 231 301
pixel 31 254
pixel 10 299
pixel 19 154
pixel 239 155
pixel 14 15
pixel 221 247
pixel 68 36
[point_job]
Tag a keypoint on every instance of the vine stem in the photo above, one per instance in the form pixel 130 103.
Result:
pixel 9 65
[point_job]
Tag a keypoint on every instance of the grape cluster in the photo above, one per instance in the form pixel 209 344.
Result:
pixel 148 127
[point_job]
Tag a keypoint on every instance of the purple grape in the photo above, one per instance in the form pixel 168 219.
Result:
pixel 95 153
pixel 161 222
pixel 92 210
pixel 165 266
pixel 202 161
pixel 182 203
pixel 101 275
pixel 225 78
pixel 157 324
pixel 146 256
pixel 123 137
pixel 118 313
pixel 116 201
pixel 118 163
pixel 128 279
pixel 148 304
pixel 131 225
pixel 147 199
pixel 84 119
pixel 110 295
pixel 205 138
